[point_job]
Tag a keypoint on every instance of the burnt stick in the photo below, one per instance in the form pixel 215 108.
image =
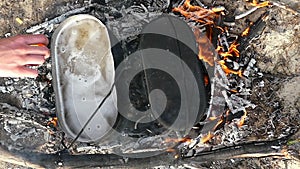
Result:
pixel 255 29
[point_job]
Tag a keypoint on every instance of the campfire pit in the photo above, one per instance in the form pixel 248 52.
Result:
pixel 28 106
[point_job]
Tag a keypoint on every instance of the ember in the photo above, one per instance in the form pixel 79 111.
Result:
pixel 52 122
pixel 242 120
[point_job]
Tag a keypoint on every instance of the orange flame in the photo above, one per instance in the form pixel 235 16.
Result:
pixel 232 51
pixel 207 17
pixel 180 140
pixel 171 150
pixel 199 14
pixel 233 90
pixel 228 71
pixel 247 30
pixel 206 138
pixel 219 122
pixel 227 115
pixel 260 5
pixel 212 118
pixel 174 140
pixel 206 80
pixel 53 122
pixel 242 120
pixel 206 52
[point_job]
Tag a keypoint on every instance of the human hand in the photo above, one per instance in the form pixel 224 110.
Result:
pixel 19 52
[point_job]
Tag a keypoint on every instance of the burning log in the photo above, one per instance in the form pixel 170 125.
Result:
pixel 252 149
pixel 63 159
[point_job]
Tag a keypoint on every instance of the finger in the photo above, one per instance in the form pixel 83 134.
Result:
pixel 38 50
pixel 33 60
pixel 34 39
pixel 23 71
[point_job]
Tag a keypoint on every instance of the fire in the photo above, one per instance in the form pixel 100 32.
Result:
pixel 206 52
pixel 227 115
pixel 174 140
pixel 228 52
pixel 212 118
pixel 219 122
pixel 180 140
pixel 199 14
pixel 232 51
pixel 247 30
pixel 207 17
pixel 233 90
pixel 171 150
pixel 228 71
pixel 206 80
pixel 242 120
pixel 53 122
pixel 260 4
pixel 206 138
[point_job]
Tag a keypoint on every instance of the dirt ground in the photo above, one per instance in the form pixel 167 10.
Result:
pixel 276 94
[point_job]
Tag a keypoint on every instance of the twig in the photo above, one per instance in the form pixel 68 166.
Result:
pixel 229 104
pixel 240 16
pixel 244 150
pixel 260 155
pixel 58 19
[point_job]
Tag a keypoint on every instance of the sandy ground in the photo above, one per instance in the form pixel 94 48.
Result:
pixel 278 50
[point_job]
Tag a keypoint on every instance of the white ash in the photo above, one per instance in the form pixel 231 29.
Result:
pixel 250 66
pixel 131 23
pixel 232 134
pixel 155 143
pixel 96 149
pixel 239 102
pixel 23 132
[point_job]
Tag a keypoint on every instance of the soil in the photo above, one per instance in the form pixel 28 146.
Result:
pixel 276 94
